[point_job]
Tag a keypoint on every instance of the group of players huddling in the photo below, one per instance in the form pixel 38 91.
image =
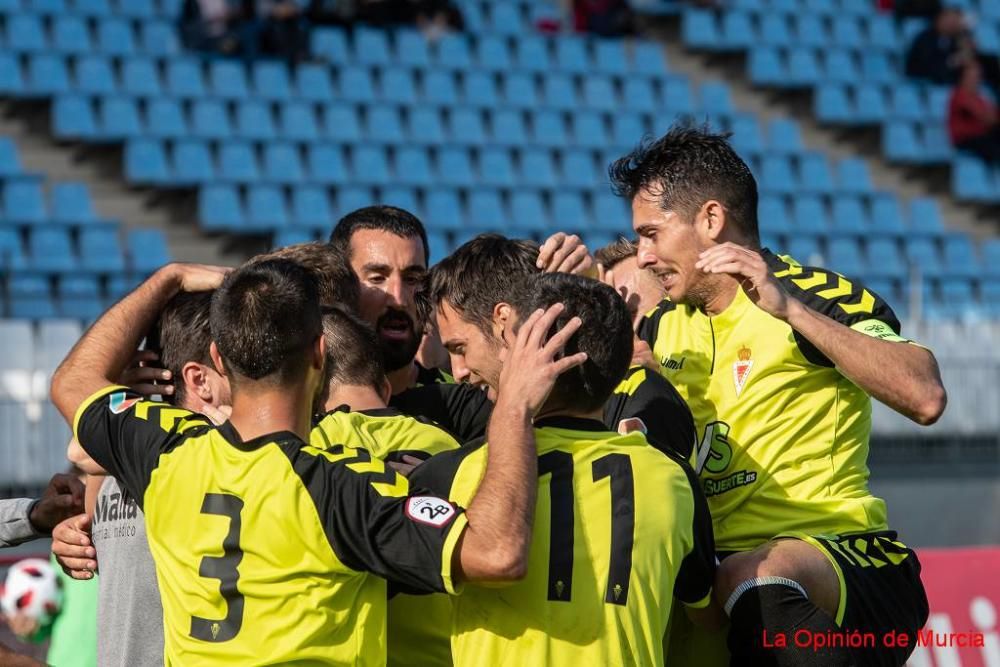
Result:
pixel 684 420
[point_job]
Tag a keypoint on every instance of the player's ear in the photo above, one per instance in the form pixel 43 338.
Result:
pixel 386 390
pixel 196 380
pixel 319 352
pixel 711 220
pixel 501 319
pixel 213 352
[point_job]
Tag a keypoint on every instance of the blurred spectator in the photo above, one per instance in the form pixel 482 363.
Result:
pixel 922 9
pixel 282 30
pixel 437 17
pixel 941 50
pixel 219 26
pixel 607 18
pixel 385 12
pixel 972 117
pixel 24 519
pixel 330 12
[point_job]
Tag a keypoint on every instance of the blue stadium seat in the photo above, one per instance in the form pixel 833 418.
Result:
pixel 454 167
pixel 956 296
pixel 140 78
pixel 11 250
pixel 610 57
pixel 773 215
pixel 51 250
pixel 70 35
pixel 937 102
pixel 165 119
pixel 847 33
pixel 25 32
pixel 370 165
pixel 437 246
pixel 425 126
pixel 699 29
pixel 159 38
pixel 371 46
pixel 774 30
pixel 496 168
pixel 570 212
pixel 271 81
pixel 401 197
pixel 971 180
pixel 907 102
pixel 413 166
pixel 844 256
pixel 960 257
pixel 292 236
pixel 30 297
pixel 228 79
pixel 549 129
pixel 777 175
pixel 531 53
pixel 485 211
pixel 738 32
pixel 885 260
pixel 882 33
pixel 519 90
pixel 412 48
pixel 747 137
pixel 832 105
pixel 991 257
pixel 47 75
pixel 210 120
pixel 578 169
pixel 465 126
pixel 140 9
pixel 638 93
pixel 559 92
pixel 185 79
pixel 297 122
pixel 326 164
pixel 611 213
pixel 936 143
pixel 599 93
pixel 803 68
pixel 10 160
pixel 507 127
pixel 765 67
pixel 850 216
pixel 115 37
pixel 101 250
pixel 923 255
pixel 572 55
pixel 810 31
pixel 92 7
pixel 254 121
pixel 627 129
pixel 11 77
pixel 492 54
pixel 444 210
pixel 840 66
pixel 853 176
pixel 266 208
pixel 537 169
pixel 145 162
pixel 805 250
pixel 396 86
pixel 119 119
pixel 23 201
pixel 94 76
pixel 810 215
pixel 677 96
pixel 329 44
pixel 312 83
pixel 439 88
pixel 342 123
pixel 220 208
pixel 505 18
pixel 283 164
pixel 877 68
pixel 527 211
pixel 192 163
pixel 715 98
pixel 869 104
pixel 73 117
pixel 814 173
pixel 887 217
pixel 588 130
pixel 238 163
pixel 925 217
pixel 71 204
pixel 453 52
pixel 648 58
pixel 479 89
pixel 311 208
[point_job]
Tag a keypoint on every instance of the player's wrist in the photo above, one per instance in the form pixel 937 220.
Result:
pixel 794 313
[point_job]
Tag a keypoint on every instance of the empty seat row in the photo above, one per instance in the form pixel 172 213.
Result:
pixel 24 203
pixel 54 250
pixel 807 66
pixel 874 103
pixel 496 53
pixel 265 208
pixel 878 215
pixel 828 8
pixel 80 297
pixel 974 180
pixel 916 143
pixel 75 34
pixel 29 348
pixel 141 9
pixel 810 173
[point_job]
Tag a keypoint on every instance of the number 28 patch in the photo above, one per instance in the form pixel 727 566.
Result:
pixel 430 510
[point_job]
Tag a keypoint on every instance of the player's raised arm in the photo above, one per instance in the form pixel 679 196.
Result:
pixel 904 377
pixel 107 348
pixel 495 545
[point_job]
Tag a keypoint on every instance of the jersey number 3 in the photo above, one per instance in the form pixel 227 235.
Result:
pixel 616 467
pixel 223 568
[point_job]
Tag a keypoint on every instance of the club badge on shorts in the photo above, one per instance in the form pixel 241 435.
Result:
pixel 741 369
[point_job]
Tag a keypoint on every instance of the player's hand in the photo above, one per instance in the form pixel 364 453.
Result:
pixel 143 371
pixel 22 625
pixel 750 270
pixel 563 253
pixel 642 355
pixel 63 497
pixel 532 364
pixel 73 548
pixel 219 414
pixel 197 277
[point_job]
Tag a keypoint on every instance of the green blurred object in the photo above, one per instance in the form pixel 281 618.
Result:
pixel 73 640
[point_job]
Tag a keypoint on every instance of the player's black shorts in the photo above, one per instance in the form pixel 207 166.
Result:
pixel 880 593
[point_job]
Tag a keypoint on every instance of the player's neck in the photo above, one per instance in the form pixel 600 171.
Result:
pixel 722 295
pixel 265 411
pixel 403 378
pixel 356 397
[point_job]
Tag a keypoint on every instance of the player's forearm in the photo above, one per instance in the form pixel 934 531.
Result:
pixel 104 351
pixel 905 377
pixel 496 543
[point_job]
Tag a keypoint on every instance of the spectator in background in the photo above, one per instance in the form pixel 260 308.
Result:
pixel 607 18
pixel 941 50
pixel 923 9
pixel 24 519
pixel 972 117
pixel 437 17
pixel 282 29
pixel 384 13
pixel 219 26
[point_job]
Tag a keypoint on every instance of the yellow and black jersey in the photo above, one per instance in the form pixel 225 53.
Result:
pixel 265 549
pixel 418 631
pixel 620 530
pixel 461 409
pixel 648 396
pixel 429 376
pixel 783 436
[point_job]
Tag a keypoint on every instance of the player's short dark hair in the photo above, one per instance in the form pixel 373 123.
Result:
pixel 606 335
pixel 265 319
pixel 480 274
pixel 390 219
pixel 337 283
pixel 185 335
pixel 616 252
pixel 687 167
pixel 353 355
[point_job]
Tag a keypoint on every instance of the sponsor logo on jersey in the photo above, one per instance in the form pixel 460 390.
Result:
pixel 741 369
pixel 430 510
pixel 118 403
pixel 672 364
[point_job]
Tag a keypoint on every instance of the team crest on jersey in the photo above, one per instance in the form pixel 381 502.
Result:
pixel 741 369
pixel 118 403
pixel 430 510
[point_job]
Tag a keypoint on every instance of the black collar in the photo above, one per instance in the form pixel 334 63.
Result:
pixel 229 432
pixel 371 412
pixel 571 423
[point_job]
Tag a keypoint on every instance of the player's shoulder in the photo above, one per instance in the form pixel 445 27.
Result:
pixel 649 325
pixel 438 473
pixel 119 402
